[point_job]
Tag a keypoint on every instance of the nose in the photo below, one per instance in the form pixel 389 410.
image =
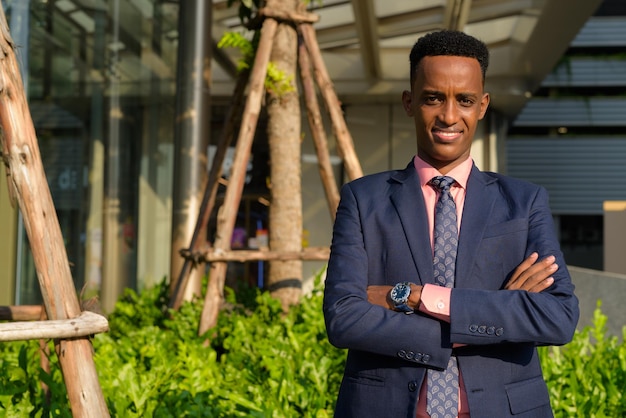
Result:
pixel 449 113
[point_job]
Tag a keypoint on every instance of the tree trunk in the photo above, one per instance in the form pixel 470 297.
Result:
pixel 284 136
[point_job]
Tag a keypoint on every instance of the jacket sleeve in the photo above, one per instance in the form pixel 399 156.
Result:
pixel 351 321
pixel 479 316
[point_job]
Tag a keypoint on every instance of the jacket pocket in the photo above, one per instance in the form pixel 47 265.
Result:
pixel 527 394
pixel 365 379
pixel 504 228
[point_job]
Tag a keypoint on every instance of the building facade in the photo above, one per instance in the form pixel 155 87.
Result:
pixel 571 136
pixel 100 81
pixel 100 77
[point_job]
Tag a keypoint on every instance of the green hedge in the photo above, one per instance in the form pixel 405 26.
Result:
pixel 587 377
pixel 260 363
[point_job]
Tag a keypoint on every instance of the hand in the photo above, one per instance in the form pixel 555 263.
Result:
pixel 379 295
pixel 532 275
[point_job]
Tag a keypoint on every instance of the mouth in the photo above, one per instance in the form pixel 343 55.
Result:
pixel 446 135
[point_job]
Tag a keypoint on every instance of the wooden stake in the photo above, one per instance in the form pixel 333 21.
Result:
pixel 87 323
pixel 317 131
pixel 345 144
pixel 27 180
pixel 20 313
pixel 241 256
pixel 227 213
pixel 44 359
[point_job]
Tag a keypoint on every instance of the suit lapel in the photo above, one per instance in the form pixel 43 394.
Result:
pixel 479 200
pixel 406 196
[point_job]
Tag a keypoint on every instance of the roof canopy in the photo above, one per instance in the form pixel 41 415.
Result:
pixel 366 43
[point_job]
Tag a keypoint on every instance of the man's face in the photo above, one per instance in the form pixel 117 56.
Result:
pixel 446 102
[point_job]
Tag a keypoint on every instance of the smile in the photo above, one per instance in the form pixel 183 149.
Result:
pixel 447 135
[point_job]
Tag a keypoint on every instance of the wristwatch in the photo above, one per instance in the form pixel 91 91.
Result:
pixel 400 296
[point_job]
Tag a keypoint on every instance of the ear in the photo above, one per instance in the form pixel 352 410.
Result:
pixel 484 104
pixel 407 102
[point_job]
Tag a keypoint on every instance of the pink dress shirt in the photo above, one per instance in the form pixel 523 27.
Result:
pixel 435 300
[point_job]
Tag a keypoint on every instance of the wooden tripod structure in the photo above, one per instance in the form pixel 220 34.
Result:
pixel 309 56
pixel 67 325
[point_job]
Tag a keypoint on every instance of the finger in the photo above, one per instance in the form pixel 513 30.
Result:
pixel 533 274
pixel 528 262
pixel 542 285
pixel 540 272
pixel 519 271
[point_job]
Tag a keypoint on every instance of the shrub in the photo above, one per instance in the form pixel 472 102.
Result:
pixel 259 362
pixel 587 377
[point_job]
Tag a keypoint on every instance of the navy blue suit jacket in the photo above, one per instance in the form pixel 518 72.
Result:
pixel 381 237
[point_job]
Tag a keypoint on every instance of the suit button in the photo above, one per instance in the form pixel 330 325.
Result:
pixel 473 328
pixel 402 354
pixel 499 331
pixel 412 386
pixel 418 356
pixel 491 330
pixel 482 329
pixel 410 355
pixel 426 358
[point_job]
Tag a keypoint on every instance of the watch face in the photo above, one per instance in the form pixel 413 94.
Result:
pixel 400 292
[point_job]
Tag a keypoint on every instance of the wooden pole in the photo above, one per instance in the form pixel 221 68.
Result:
pixel 44 359
pixel 87 323
pixel 210 256
pixel 345 144
pixel 227 213
pixel 317 130
pixel 20 313
pixel 27 179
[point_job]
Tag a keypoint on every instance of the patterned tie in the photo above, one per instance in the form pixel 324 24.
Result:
pixel 443 387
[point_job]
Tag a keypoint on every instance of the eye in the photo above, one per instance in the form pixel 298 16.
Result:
pixel 466 101
pixel 432 99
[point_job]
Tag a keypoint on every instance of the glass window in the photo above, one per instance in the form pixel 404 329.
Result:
pixel 101 82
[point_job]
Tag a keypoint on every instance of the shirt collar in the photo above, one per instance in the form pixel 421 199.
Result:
pixel 459 173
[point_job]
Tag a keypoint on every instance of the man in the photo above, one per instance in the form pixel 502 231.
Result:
pixel 505 288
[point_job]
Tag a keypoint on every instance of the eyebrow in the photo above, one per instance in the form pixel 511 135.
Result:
pixel 428 92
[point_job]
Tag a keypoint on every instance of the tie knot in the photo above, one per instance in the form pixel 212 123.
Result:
pixel 442 183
